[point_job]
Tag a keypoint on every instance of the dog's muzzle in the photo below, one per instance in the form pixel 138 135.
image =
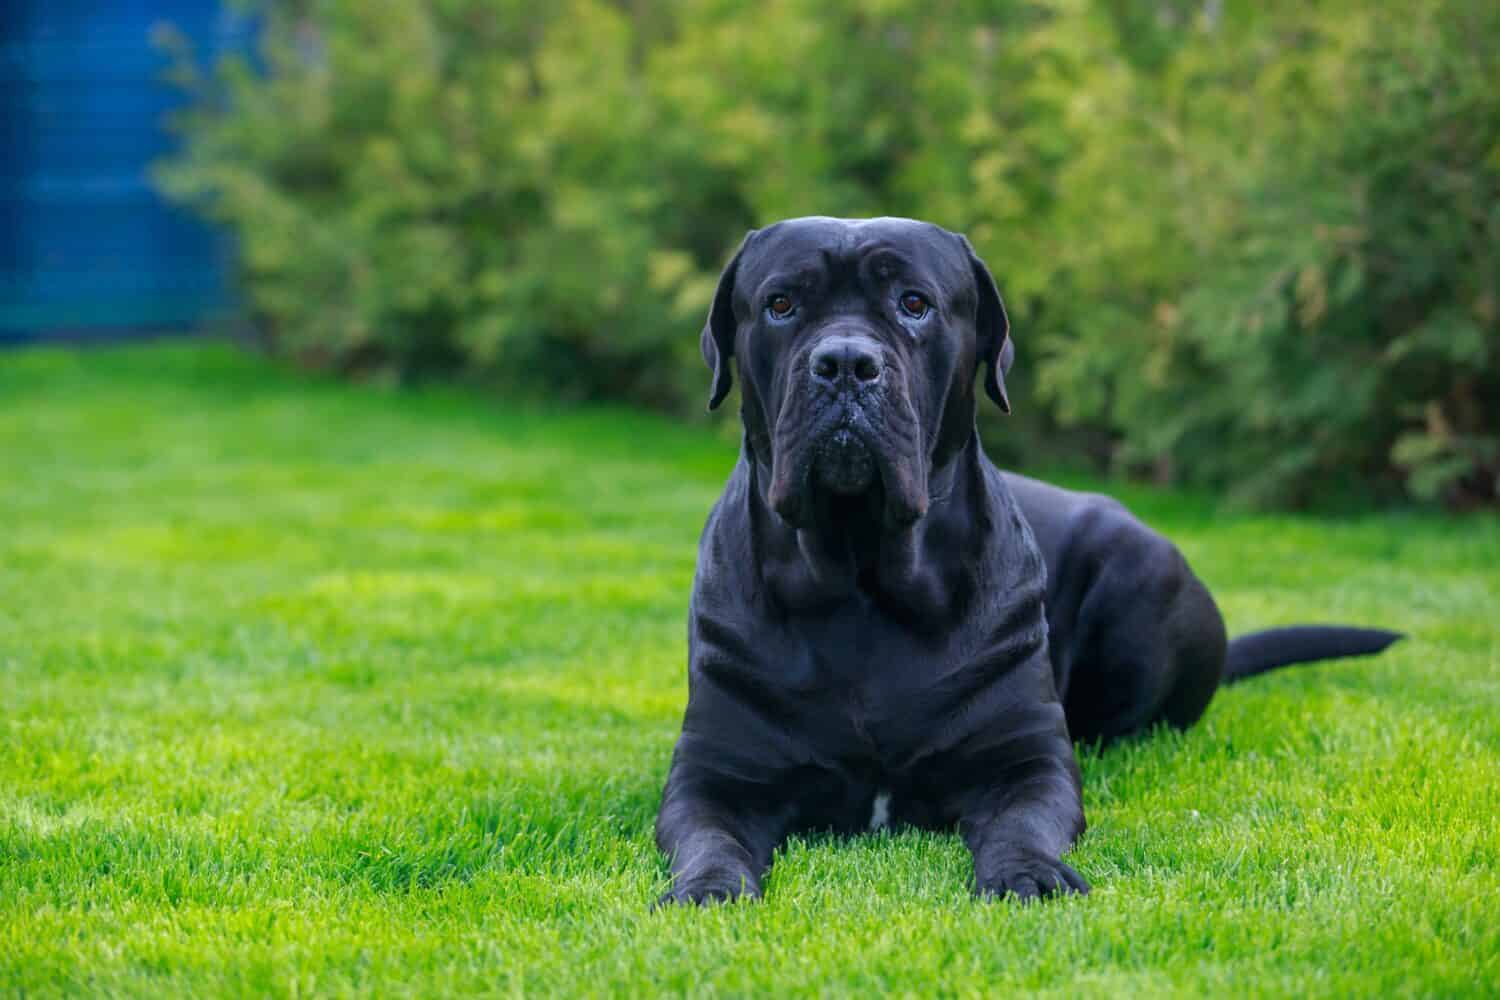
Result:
pixel 843 434
pixel 843 463
pixel 849 368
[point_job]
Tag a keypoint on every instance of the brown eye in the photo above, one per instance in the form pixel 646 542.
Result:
pixel 913 305
pixel 780 306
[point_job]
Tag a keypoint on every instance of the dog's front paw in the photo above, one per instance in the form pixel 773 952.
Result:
pixel 714 887
pixel 1027 874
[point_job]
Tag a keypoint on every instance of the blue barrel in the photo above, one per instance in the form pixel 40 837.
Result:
pixel 87 246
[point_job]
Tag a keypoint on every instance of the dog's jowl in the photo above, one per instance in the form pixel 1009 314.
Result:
pixel 884 628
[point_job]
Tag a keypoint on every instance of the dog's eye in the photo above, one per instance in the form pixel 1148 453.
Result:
pixel 913 305
pixel 780 305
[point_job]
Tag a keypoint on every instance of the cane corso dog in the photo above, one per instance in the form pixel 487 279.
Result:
pixel 886 629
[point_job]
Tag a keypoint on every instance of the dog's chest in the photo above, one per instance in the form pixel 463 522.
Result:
pixel 875 709
pixel 872 677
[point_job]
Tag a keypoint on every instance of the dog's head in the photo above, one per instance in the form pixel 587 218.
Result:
pixel 857 342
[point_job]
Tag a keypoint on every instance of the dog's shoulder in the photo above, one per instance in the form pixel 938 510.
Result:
pixel 725 543
pixel 1086 533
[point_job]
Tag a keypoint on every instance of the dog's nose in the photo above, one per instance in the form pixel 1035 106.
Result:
pixel 846 359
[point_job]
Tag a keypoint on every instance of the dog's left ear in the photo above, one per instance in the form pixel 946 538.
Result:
pixel 717 341
pixel 995 350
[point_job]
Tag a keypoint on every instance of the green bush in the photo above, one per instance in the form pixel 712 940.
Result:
pixel 1297 297
pixel 1249 248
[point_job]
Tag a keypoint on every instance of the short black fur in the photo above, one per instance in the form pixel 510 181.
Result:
pixel 882 623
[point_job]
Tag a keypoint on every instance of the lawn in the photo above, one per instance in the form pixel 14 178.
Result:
pixel 317 689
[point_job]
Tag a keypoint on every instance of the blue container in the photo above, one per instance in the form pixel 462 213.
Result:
pixel 87 246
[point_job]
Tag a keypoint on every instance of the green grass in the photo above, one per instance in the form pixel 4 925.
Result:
pixel 315 689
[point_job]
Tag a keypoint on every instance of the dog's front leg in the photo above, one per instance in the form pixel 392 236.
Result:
pixel 719 838
pixel 1019 828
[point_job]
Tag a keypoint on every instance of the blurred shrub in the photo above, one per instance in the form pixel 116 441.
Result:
pixel 1293 287
pixel 1251 248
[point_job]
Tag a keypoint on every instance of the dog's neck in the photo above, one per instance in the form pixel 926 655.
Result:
pixel 921 572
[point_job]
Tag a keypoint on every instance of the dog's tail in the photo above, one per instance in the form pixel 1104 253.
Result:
pixel 1256 652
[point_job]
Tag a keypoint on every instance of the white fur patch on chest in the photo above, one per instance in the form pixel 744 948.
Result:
pixel 880 812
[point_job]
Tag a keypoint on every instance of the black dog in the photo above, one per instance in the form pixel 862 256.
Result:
pixel 870 622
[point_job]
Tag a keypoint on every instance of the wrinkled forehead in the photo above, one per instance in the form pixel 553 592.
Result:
pixel 915 251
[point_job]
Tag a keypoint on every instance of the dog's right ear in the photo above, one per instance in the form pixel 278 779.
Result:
pixel 717 341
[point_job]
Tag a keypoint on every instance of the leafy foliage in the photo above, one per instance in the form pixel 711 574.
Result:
pixel 1249 246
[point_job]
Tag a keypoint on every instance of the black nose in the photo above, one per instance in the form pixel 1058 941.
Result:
pixel 846 359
